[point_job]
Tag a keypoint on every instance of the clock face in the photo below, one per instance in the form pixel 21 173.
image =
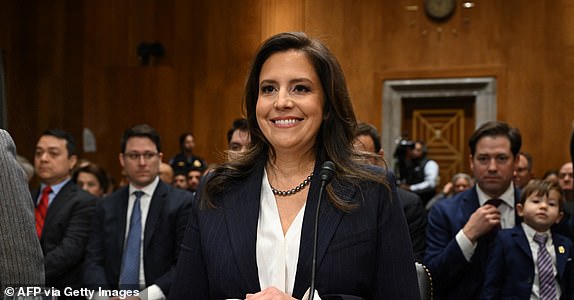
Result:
pixel 439 9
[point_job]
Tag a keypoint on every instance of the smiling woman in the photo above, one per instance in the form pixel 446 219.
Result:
pixel 251 232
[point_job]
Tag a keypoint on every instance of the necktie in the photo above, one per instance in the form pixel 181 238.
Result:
pixel 129 277
pixel 42 209
pixel 495 202
pixel 545 272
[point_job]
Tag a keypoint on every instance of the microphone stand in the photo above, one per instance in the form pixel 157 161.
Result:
pixel 326 174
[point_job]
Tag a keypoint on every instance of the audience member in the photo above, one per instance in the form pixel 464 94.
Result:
pixel 92 179
pixel 180 181
pixel 238 138
pixel 251 236
pixel 565 177
pixel 63 210
pixel 367 139
pixel 137 230
pixel 194 176
pixel 27 166
pixel 529 261
pixel 421 174
pixel 458 229
pixel 184 160
pixel 21 259
pixel 566 225
pixel 523 172
pixel 551 176
pixel 166 172
pixel 460 182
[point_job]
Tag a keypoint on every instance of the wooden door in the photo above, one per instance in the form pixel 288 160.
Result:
pixel 445 124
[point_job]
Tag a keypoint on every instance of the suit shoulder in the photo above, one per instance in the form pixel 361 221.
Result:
pixel 77 193
pixel 179 193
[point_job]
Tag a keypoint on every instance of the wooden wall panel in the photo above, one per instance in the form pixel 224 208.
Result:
pixel 73 63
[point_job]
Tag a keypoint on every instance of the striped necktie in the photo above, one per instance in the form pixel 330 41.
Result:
pixel 545 272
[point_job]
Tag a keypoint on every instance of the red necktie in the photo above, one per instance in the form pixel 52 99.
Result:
pixel 42 209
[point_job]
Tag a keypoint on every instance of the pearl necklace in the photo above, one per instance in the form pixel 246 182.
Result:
pixel 294 190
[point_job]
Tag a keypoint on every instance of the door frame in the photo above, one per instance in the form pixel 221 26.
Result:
pixel 482 88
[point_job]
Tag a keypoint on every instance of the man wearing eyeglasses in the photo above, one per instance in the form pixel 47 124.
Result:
pixel 461 229
pixel 138 229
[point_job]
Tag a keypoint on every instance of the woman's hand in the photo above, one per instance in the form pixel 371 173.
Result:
pixel 270 293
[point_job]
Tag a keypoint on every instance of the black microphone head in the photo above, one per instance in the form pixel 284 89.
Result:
pixel 327 171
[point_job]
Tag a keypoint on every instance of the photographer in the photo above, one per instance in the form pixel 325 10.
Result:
pixel 415 171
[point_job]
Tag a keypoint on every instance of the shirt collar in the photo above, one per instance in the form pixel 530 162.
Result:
pixel 506 197
pixel 148 189
pixel 529 231
pixel 56 187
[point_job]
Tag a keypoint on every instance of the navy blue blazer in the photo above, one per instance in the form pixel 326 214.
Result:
pixel 453 276
pixel 510 268
pixel 365 253
pixel 164 229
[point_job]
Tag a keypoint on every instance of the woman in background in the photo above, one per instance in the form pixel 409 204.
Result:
pixel 91 178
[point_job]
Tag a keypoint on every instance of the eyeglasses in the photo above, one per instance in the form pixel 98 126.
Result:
pixel 499 159
pixel 564 175
pixel 136 156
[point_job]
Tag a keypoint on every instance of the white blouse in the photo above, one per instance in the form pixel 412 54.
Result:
pixel 277 255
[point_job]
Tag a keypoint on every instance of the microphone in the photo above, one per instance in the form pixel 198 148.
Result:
pixel 326 174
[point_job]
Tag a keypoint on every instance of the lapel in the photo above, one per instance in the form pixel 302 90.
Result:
pixel 120 210
pixel 561 250
pixel 241 211
pixel 155 210
pixel 519 237
pixel 469 204
pixel 329 219
pixel 61 199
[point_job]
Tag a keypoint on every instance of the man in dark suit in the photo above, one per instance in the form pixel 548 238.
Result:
pixel 161 212
pixel 63 210
pixel 367 139
pixel 460 229
pixel 21 259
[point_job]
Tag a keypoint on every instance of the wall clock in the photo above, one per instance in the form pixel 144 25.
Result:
pixel 439 9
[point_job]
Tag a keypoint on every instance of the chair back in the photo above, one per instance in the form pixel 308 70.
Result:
pixel 425 281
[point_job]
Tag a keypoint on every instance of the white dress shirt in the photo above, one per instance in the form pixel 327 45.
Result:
pixel 277 254
pixel 431 169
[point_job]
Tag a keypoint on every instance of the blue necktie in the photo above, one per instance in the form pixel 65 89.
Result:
pixel 129 277
pixel 545 270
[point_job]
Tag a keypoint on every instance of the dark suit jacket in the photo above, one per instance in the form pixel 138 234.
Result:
pixel 416 216
pixel 165 224
pixel 65 234
pixel 453 276
pixel 510 268
pixel 365 253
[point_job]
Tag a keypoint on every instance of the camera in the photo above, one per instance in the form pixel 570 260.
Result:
pixel 403 145
pixel 400 155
